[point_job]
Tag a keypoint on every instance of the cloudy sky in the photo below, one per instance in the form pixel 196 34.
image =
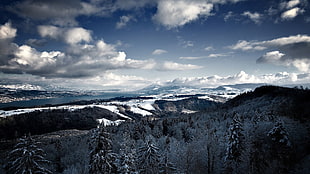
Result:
pixel 129 44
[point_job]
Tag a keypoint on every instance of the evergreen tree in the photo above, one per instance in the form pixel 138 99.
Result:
pixel 126 162
pixel 148 158
pixel 234 145
pixel 279 135
pixel 27 158
pixel 281 148
pixel 101 157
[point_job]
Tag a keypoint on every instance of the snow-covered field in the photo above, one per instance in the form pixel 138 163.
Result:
pixel 70 108
pixel 136 106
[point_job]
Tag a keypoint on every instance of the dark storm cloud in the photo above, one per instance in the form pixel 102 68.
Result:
pixel 58 12
pixel 291 52
pixel 287 51
pixel 294 54
pixel 297 50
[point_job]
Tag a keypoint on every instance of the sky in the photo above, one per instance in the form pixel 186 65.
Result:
pixel 130 44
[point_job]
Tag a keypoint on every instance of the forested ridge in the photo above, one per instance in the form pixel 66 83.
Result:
pixel 263 131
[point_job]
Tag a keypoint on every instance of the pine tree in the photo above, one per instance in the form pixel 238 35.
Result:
pixel 234 145
pixel 126 162
pixel 281 148
pixel 148 158
pixel 101 157
pixel 279 135
pixel 27 158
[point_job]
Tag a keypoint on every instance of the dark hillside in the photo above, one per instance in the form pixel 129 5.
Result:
pixel 40 122
pixel 291 102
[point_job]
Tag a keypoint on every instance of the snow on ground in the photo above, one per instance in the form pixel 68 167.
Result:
pixel 28 110
pixel 135 107
pixel 175 98
pixel 15 112
pixel 205 97
pixel 112 108
pixel 147 104
pixel 138 106
pixel 187 111
pixel 137 110
pixel 107 122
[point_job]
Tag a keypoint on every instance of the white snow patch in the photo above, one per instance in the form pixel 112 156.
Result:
pixel 112 108
pixel 136 105
pixel 147 104
pixel 137 110
pixel 205 97
pixel 107 122
pixel 175 98
pixel 187 111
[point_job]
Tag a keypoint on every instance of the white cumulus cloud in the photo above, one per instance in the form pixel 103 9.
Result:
pixel 255 17
pixel 292 3
pixel 7 32
pixel 30 59
pixel 83 57
pixel 292 13
pixel 76 35
pixel 175 13
pixel 289 4
pixel 123 21
pixel 69 35
pixel 7 35
pixel 271 57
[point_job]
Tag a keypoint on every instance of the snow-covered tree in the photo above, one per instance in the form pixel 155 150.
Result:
pixel 235 144
pixel 27 158
pixel 101 157
pixel 279 135
pixel 126 162
pixel 281 146
pixel 148 158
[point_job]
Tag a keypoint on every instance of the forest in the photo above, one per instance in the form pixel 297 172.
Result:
pixel 263 131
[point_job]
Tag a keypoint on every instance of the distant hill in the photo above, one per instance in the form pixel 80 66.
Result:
pixel 292 102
